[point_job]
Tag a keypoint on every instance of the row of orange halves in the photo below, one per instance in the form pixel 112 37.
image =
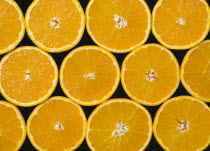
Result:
pixel 90 75
pixel 59 124
pixel 118 26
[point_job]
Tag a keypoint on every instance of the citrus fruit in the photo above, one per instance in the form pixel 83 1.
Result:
pixel 180 24
pixel 150 74
pixel 89 75
pixel 182 123
pixel 60 28
pixel 57 125
pixel 119 125
pixel 12 27
pixel 12 127
pixel 118 26
pixel 28 76
pixel 195 71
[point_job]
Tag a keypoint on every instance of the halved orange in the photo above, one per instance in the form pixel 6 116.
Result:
pixel 118 26
pixel 119 125
pixel 12 27
pixel 150 74
pixel 180 24
pixel 28 76
pixel 57 125
pixel 55 26
pixel 195 71
pixel 182 123
pixel 12 127
pixel 89 75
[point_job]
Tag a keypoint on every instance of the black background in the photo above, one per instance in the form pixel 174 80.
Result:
pixel 86 40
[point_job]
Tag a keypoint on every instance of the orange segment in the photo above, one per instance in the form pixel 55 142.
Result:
pixel 60 28
pixel 12 25
pixel 195 71
pixel 118 26
pixel 12 127
pixel 183 123
pixel 28 76
pixel 89 75
pixel 119 125
pixel 180 24
pixel 150 74
pixel 57 125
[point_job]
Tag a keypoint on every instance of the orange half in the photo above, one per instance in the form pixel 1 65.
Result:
pixel 12 127
pixel 28 76
pixel 180 24
pixel 150 74
pixel 119 125
pixel 89 75
pixel 57 125
pixel 195 71
pixel 12 27
pixel 118 25
pixel 55 26
pixel 182 123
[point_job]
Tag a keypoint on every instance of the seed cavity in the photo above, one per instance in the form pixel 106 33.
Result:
pixel 28 75
pixel 151 75
pixel 91 76
pixel 55 22
pixel 181 21
pixel 121 129
pixel 59 126
pixel 120 21
pixel 183 126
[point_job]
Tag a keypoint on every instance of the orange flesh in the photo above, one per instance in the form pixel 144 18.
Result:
pixel 10 25
pixel 103 123
pixel 15 70
pixel 42 125
pixel 196 70
pixel 184 109
pixel 189 30
pixel 101 23
pixel 89 75
pixel 140 63
pixel 69 19
pixel 11 131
